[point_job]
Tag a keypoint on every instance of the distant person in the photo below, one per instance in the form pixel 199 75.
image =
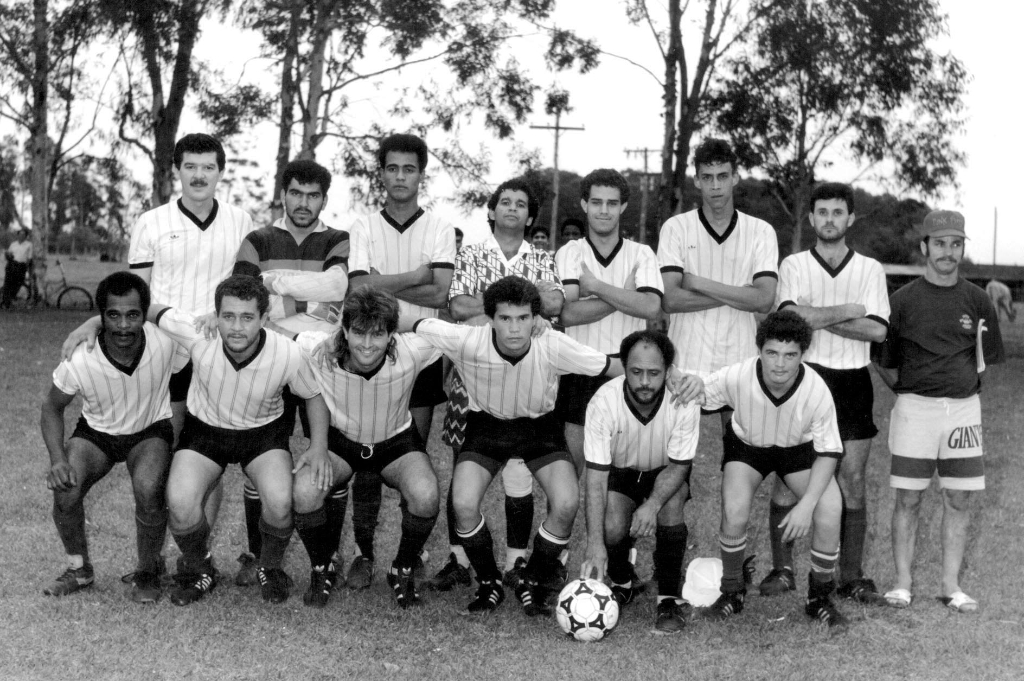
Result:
pixel 539 238
pixel 18 257
pixel 458 239
pixel 571 230
pixel 1002 299
pixel 943 332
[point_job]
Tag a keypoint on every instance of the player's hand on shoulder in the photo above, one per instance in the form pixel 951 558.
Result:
pixel 540 325
pixel 685 388
pixel 207 325
pixel 61 477
pixel 86 333
pixel 323 353
pixel 595 561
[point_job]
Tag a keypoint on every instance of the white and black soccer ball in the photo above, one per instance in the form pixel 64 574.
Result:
pixel 586 610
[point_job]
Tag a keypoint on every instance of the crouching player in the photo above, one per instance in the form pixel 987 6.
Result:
pixel 367 381
pixel 126 414
pixel 639 450
pixel 784 422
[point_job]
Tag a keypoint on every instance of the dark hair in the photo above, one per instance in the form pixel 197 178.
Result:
pixel 514 291
pixel 572 221
pixel 713 151
pixel 516 184
pixel 243 287
pixel 604 177
pixel 655 338
pixel 403 143
pixel 247 269
pixel 833 190
pixel 458 233
pixel 305 171
pixel 199 143
pixel 785 326
pixel 367 309
pixel 121 284
pixel 539 228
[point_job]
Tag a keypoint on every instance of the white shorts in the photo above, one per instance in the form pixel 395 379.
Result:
pixel 936 434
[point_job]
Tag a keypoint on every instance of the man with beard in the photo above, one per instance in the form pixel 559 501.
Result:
pixel 126 417
pixel 639 449
pixel 842 295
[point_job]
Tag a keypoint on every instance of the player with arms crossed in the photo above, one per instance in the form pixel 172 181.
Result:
pixel 842 295
pixel 126 417
pixel 784 422
pixel 943 331
pixel 304 265
pixel 639 449
pixel 720 268
pixel 367 380
pixel 511 209
pixel 410 253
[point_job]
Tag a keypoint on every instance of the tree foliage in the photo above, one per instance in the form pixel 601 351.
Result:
pixel 818 81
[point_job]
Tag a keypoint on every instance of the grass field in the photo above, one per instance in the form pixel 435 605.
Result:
pixel 101 634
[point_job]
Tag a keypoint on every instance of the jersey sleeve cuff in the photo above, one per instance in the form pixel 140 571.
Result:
pixel 766 273
pixel 672 268
pixel 598 466
pixel 357 273
pixel 650 289
pixel 786 303
pixel 416 324
pixel 607 365
pixel 442 266
pixel 159 315
pixel 570 282
pixel 140 265
pixel 883 322
pixel 831 455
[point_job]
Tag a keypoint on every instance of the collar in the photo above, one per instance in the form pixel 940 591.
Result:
pixel 401 226
pixel 320 226
pixel 201 224
pixel 828 268
pixel 719 238
pixel 508 358
pixel 491 244
pixel 658 401
pixel 779 401
pixel 605 262
pixel 238 366
pixel 128 369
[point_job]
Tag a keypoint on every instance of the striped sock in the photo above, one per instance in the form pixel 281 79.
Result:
pixel 823 565
pixel 732 551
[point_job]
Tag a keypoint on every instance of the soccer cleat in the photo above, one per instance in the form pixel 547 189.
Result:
pixel 360 573
pixel 778 581
pixel 70 581
pixel 533 597
pixel 728 604
pixel 146 587
pixel 489 596
pixel 246 575
pixel 823 610
pixel 403 583
pixel 624 594
pixel 193 586
pixel 671 618
pixel 862 590
pixel 321 583
pixel 450 576
pixel 273 584
pixel 512 578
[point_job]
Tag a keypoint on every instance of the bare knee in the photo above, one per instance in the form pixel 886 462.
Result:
pixel 908 501
pixel 563 509
pixel 421 497
pixel 305 497
pixel 957 500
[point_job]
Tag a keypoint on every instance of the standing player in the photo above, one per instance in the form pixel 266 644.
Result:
pixel 303 263
pixel 409 252
pixel 942 333
pixel 511 209
pixel 367 383
pixel 842 295
pixel 126 417
pixel 784 422
pixel 719 268
pixel 639 450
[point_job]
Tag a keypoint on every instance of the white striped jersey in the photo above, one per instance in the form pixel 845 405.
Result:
pixel 239 396
pixel 505 387
pixel 606 334
pixel 392 248
pixel 189 256
pixel 618 436
pixel 370 408
pixel 120 400
pixel 808 277
pixel 805 413
pixel 748 249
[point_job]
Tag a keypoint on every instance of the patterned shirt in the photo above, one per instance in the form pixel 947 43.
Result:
pixel 480 265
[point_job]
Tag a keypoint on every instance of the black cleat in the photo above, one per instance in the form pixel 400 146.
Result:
pixel 321 583
pixel 625 594
pixel 247 566
pixel 70 581
pixel 823 610
pixel 192 587
pixel 512 578
pixel 862 590
pixel 273 584
pixel 450 576
pixel 146 587
pixel 360 573
pixel 728 604
pixel 778 581
pixel 403 583
pixel 489 596
pixel 671 617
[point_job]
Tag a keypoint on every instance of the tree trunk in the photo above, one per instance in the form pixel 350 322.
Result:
pixel 284 139
pixel 39 146
pixel 670 97
pixel 321 33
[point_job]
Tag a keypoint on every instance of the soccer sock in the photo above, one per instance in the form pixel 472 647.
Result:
pixel 823 566
pixel 415 532
pixel 732 550
pixel 851 543
pixel 275 543
pixel 149 539
pixel 518 521
pixel 512 555
pixel 253 512
pixel 480 550
pixel 316 535
pixel 192 541
pixel 544 559
pixel 618 563
pixel 670 545
pixel 366 499
pixel 334 508
pixel 453 526
pixel 782 552
pixel 71 528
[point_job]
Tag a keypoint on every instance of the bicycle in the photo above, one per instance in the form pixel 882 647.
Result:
pixel 59 294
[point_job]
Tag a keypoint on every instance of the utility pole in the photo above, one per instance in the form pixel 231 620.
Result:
pixel 643 189
pixel 995 234
pixel 558 128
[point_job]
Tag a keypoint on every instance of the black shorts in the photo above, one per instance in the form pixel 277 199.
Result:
pixel 428 390
pixel 375 457
pixel 855 399
pixel 574 393
pixel 117 447
pixel 180 382
pixel 765 460
pixel 491 442
pixel 638 485
pixel 225 445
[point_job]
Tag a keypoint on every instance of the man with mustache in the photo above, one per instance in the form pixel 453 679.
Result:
pixel 943 331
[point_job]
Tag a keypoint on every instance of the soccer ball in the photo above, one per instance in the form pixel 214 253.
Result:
pixel 586 610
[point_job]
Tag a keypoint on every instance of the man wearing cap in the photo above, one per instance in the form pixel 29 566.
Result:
pixel 943 331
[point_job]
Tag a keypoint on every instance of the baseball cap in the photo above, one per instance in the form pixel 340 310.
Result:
pixel 703 583
pixel 944 223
